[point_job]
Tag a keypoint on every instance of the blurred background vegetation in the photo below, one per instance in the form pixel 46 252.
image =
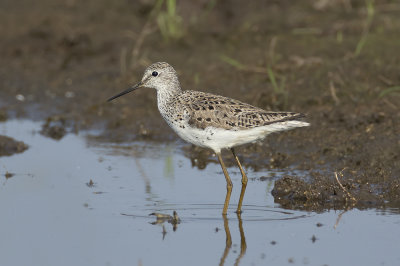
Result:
pixel 296 55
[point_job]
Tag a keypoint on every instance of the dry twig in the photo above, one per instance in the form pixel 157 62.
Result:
pixel 333 93
pixel 344 189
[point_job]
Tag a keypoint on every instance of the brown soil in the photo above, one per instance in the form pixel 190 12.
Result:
pixel 333 60
pixel 9 146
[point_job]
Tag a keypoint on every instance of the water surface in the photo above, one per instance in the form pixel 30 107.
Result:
pixel 52 214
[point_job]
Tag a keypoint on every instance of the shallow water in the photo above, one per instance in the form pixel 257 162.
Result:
pixel 51 215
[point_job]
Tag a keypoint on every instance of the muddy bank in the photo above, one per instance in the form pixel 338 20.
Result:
pixel 333 61
pixel 9 146
pixel 317 192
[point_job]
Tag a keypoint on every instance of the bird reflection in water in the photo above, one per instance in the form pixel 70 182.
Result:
pixel 228 243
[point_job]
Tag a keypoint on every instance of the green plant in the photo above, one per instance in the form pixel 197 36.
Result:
pixel 370 16
pixel 169 22
pixel 232 62
pixel 389 91
pixel 278 88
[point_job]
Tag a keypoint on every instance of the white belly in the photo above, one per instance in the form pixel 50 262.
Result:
pixel 217 138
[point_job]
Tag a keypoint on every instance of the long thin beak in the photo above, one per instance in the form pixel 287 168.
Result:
pixel 126 91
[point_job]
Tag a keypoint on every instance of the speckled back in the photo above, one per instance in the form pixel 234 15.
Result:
pixel 202 110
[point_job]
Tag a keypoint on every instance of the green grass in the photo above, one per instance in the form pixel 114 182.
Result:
pixel 278 83
pixel 168 21
pixel 389 91
pixel 279 89
pixel 369 4
pixel 232 62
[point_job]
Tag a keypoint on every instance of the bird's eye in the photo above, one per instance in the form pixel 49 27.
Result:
pixel 154 74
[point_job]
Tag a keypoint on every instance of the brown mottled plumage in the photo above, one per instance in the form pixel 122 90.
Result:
pixel 206 109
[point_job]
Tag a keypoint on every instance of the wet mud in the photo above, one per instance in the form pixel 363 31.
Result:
pixel 10 146
pixel 55 127
pixel 332 60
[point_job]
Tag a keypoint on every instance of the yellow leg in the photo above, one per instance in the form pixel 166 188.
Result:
pixel 228 184
pixel 244 182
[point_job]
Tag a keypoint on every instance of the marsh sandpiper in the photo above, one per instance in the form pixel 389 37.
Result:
pixel 212 121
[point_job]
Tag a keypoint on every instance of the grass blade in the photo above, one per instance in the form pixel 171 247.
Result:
pixel 389 90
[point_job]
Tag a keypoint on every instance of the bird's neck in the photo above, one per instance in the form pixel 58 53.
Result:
pixel 165 96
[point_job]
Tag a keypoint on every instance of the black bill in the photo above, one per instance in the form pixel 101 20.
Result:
pixel 126 91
